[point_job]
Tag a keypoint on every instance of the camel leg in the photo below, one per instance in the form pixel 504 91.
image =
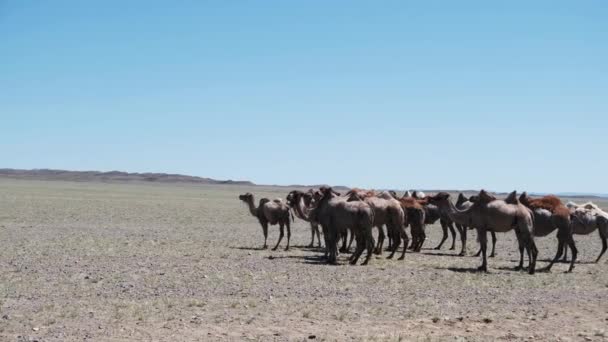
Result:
pixel 478 240
pixel 312 236
pixel 574 250
pixel 405 243
pixel 560 250
pixel 444 229
pixel 381 237
pixel 521 245
pixel 350 243
pixel 422 239
pixel 318 235
pixel 565 253
pixel 493 244
pixel 483 241
pixel 369 242
pixel 358 250
pixel 281 234
pixel 463 239
pixel 265 230
pixel 288 233
pixel 344 236
pixel 331 244
pixel 532 259
pixel 325 239
pixel 603 235
pixel 396 243
pixel 453 232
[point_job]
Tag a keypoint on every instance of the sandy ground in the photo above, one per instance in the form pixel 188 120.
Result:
pixel 112 262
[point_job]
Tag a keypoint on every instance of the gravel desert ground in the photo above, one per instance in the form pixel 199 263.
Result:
pixel 151 262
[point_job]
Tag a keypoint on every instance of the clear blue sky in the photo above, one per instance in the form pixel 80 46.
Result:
pixel 390 94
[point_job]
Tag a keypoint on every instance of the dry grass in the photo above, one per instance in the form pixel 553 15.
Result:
pixel 168 262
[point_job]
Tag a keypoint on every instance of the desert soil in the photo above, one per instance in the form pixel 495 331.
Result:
pixel 129 262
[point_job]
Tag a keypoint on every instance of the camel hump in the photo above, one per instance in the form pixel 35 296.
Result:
pixel 591 206
pixel 278 200
pixel 485 197
pixel 263 201
pixel 512 198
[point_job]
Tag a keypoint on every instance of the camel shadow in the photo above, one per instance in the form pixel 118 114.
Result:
pixel 460 269
pixel 250 248
pixel 577 262
pixel 442 254
pixel 307 248
pixel 305 259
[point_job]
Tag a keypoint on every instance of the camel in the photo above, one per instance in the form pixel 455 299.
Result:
pixel 550 214
pixel 491 214
pixel 270 212
pixel 415 214
pixel 300 202
pixel 586 218
pixel 387 211
pixel 336 215
pixel 463 203
pixel 432 214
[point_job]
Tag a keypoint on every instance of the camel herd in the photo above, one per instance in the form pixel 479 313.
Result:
pixel 358 211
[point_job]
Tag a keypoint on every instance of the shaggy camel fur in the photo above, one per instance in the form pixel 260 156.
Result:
pixel 586 218
pixel 489 214
pixel 550 214
pixel 336 215
pixel 301 202
pixel 270 212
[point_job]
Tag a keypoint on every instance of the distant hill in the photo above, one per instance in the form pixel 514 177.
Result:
pixel 111 176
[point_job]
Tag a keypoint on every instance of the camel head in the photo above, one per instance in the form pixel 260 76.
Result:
pixel 328 191
pixel 512 198
pixel 247 197
pixel 308 198
pixel 484 197
pixel 461 198
pixel 525 199
pixel 293 197
pixel 440 198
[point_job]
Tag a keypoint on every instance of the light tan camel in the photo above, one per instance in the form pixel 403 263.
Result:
pixel 270 212
pixel 490 214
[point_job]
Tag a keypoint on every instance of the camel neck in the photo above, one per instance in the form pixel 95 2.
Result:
pixel 252 209
pixel 458 216
pixel 300 209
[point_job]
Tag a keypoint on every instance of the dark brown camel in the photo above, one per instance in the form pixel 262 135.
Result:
pixel 336 214
pixel 550 214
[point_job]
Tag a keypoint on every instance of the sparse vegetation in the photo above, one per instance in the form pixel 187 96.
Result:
pixel 162 257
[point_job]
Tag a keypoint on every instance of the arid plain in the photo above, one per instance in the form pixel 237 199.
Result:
pixel 163 262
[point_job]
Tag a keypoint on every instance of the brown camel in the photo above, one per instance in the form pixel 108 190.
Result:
pixel 387 211
pixel 415 214
pixel 301 202
pixel 270 212
pixel 550 214
pixel 490 214
pixel 336 215
pixel 434 214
